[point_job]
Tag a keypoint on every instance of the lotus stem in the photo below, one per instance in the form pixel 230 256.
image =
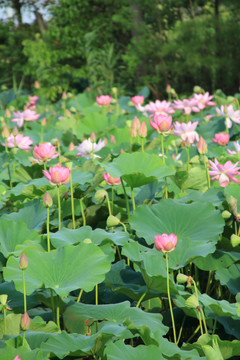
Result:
pixel 125 229
pixel 58 314
pixel 133 200
pixel 72 202
pixel 214 325
pixel 59 152
pixel 53 306
pixel 112 197
pixel 23 338
pixel 59 209
pixel 48 236
pixel 187 150
pixel 126 198
pixel 96 294
pixel 45 165
pixel 196 330
pixel 162 146
pixel 80 295
pixel 82 212
pixel 181 329
pixel 142 144
pixel 208 282
pixel 5 320
pixel 24 292
pixel 109 205
pixel 198 307
pixel 169 300
pixel 10 180
pixel 141 298
pixel 207 173
pixel 204 321
pixel 41 138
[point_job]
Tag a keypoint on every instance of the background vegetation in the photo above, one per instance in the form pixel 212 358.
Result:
pixel 127 44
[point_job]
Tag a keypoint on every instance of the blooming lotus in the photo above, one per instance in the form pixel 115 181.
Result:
pixel 237 147
pixel 87 147
pixel 221 139
pixel 230 114
pixel 20 141
pixel 32 102
pixel 57 175
pixel 159 107
pixel 26 115
pixel 44 152
pixel 224 173
pixel 187 106
pixel 110 180
pixel 17 358
pixel 203 100
pixel 186 131
pixel 137 100
pixel 103 100
pixel 165 243
pixel 161 123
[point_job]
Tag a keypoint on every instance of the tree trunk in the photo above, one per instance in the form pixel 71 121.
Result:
pixel 17 7
pixel 40 21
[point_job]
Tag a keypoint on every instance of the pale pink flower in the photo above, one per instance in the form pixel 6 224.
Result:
pixel 186 131
pixel 204 100
pixel 230 115
pixel 32 102
pixel 44 152
pixel 136 123
pixel 137 100
pixel 30 115
pixel 17 358
pixel 187 106
pixel 224 173
pixel 103 100
pixel 161 123
pixel 20 141
pixel 58 175
pixel 26 115
pixel 237 147
pixel 165 243
pixel 112 139
pixel 159 107
pixel 18 118
pixel 221 139
pixel 86 148
pixel 142 132
pixel 110 180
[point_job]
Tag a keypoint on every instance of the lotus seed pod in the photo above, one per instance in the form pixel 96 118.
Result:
pixel 100 196
pixel 3 299
pixel 25 322
pixel 226 214
pixel 87 241
pixel 235 240
pixel 192 302
pixel 23 263
pixel 112 221
pixel 197 89
pixel 47 200
pixel 181 278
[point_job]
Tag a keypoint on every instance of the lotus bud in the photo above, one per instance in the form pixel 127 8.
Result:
pixel 55 141
pixel 100 196
pixel 192 302
pixel 235 240
pixel 36 84
pixel 114 91
pixel 122 151
pixel 5 132
pixel 3 299
pixel 112 139
pixel 25 322
pixel 143 130
pixel 44 122
pixel 181 278
pixel 47 200
pixel 64 95
pixel 15 131
pixel 23 263
pixel 168 88
pixel 67 113
pixel 71 146
pixel 87 241
pixel 112 221
pixel 93 137
pixel 197 89
pixel 7 113
pixel 133 133
pixel 136 123
pixel 202 146
pixel 226 214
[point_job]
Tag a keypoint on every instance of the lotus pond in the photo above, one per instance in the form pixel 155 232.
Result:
pixel 120 227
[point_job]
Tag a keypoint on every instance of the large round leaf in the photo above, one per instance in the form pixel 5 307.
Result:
pixel 196 225
pixel 62 270
pixel 138 169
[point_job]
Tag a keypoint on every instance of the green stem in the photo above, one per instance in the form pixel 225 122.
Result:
pixel 181 329
pixel 112 197
pixel 126 198
pixel 204 321
pixel 23 338
pixel 208 282
pixel 141 298
pixel 142 144
pixel 59 209
pixel 10 180
pixel 119 253
pixel 45 165
pixel 162 145
pixel 53 306
pixel 193 334
pixel 82 212
pixel 124 226
pixel 169 300
pixel 214 325
pixel 109 205
pixel 14 167
pixel 6 147
pixel 207 173
pixel 187 149
pixel 72 202
pixel 41 139
pixel 5 320
pixel 133 200
pixel 48 236
pixel 166 192
pixel 96 294
pixel 58 314
pixel 200 320
pixel 80 295
pixel 24 292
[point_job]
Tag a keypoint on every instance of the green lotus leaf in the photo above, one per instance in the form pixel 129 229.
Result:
pixel 94 121
pixel 218 260
pixel 13 325
pixel 230 277
pixel 119 351
pixel 63 270
pixel 233 190
pixel 9 352
pixel 15 233
pixel 138 169
pixel 196 225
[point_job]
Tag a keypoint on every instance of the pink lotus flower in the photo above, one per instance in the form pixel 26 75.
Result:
pixel 204 100
pixel 87 147
pixel 142 132
pixel 202 146
pixel 187 106
pixel 57 175
pixel 32 102
pixel 165 243
pixel 221 139
pixel 44 152
pixel 20 141
pixel 224 173
pixel 112 139
pixel 26 115
pixel 186 131
pixel 110 180
pixel 237 147
pixel 161 123
pixel 17 358
pixel 230 115
pixel 103 100
pixel 159 107
pixel 137 100
pixel 136 123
